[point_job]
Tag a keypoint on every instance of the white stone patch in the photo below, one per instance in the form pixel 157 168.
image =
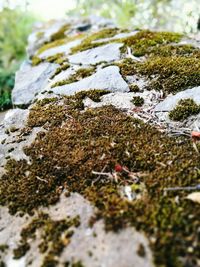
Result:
pixel 104 53
pixel 65 48
pixel 117 36
pixel 171 101
pixel 121 100
pixel 106 79
pixel 29 81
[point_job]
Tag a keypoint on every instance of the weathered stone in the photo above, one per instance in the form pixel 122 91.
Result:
pixel 66 48
pixel 104 53
pixel 107 79
pixel 30 81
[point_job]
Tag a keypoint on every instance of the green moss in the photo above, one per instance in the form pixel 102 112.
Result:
pixel 36 61
pixel 142 42
pixel 134 88
pixel 60 34
pixel 170 74
pixel 138 101
pixel 3 247
pixel 87 43
pixel 79 75
pixel 63 67
pixel 21 250
pixel 184 109
pixel 58 42
pixel 106 137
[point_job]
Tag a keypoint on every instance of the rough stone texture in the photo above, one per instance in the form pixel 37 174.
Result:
pixel 104 53
pixel 108 78
pixel 66 48
pixel 91 243
pixel 25 89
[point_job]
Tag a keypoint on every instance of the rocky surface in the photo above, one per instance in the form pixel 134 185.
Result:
pixel 93 170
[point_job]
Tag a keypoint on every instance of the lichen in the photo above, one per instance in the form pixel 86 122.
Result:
pixel 184 109
pixel 77 76
pixel 82 143
pixel 138 101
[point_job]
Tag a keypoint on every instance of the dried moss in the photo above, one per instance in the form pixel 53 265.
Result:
pixel 184 109
pixel 138 101
pixel 57 58
pixel 79 75
pixel 82 142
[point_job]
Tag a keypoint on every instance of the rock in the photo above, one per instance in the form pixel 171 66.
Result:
pixel 107 79
pixel 66 48
pixel 117 36
pixel 104 53
pixel 25 90
pixel 171 101
pixel 195 197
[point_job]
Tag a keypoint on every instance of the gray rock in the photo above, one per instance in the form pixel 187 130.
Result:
pixel 107 53
pixel 107 248
pixel 117 36
pixel 107 79
pixel 43 35
pixel 66 48
pixel 29 81
pixel 171 101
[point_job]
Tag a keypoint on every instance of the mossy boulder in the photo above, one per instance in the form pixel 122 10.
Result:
pixel 91 174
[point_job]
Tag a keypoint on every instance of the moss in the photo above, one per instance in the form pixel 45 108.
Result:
pixel 63 67
pixel 142 42
pixel 87 43
pixel 79 75
pixel 36 61
pixel 58 42
pixel 2 264
pixel 184 109
pixel 60 34
pixel 57 58
pixel 141 250
pixel 170 74
pixel 55 236
pixel 138 101
pixel 3 247
pixel 134 88
pixel 106 137
pixel 21 250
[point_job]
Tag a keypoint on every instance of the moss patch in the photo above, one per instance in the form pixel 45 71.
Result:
pixel 184 109
pixel 138 101
pixel 87 43
pixel 78 144
pixel 142 42
pixel 79 75
pixel 170 73
pixel 55 236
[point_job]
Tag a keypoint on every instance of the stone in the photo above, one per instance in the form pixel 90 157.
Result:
pixel 107 78
pixel 104 53
pixel 26 89
pixel 66 48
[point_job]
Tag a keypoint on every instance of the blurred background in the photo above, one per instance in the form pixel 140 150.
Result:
pixel 17 18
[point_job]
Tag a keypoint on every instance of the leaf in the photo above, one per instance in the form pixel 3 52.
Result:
pixel 195 197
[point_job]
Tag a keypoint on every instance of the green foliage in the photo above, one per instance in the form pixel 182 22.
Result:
pixel 15 26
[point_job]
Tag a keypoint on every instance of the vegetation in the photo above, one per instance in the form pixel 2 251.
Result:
pixel 129 149
pixel 15 26
pixel 184 109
